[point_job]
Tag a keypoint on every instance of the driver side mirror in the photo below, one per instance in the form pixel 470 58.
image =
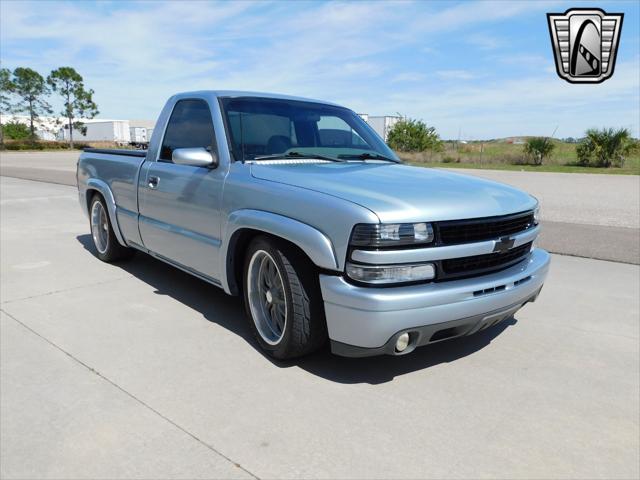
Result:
pixel 195 157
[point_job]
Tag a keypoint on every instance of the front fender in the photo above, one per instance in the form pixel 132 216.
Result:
pixel 102 187
pixel 313 242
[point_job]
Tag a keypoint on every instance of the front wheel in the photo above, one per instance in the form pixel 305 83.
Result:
pixel 104 238
pixel 282 300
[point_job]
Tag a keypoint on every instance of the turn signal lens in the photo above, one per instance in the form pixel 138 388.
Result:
pixel 536 215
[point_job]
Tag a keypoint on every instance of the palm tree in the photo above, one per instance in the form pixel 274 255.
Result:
pixel 538 148
pixel 605 147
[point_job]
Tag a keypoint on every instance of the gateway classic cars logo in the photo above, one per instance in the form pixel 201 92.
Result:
pixel 585 43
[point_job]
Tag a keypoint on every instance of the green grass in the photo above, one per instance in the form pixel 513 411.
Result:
pixel 500 155
pixel 76 150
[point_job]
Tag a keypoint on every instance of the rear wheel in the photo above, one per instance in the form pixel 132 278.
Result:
pixel 282 300
pixel 104 238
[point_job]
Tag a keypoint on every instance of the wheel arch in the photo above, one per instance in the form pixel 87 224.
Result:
pixel 244 225
pixel 100 187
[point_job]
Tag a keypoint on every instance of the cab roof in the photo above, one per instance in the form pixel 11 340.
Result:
pixel 240 93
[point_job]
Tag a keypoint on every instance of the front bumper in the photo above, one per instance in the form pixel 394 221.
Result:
pixel 365 321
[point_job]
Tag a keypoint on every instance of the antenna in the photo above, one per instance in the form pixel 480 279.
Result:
pixel 552 135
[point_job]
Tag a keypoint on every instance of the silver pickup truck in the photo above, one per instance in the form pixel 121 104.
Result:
pixel 301 208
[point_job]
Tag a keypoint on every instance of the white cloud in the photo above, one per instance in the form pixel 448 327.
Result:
pixel 485 41
pixel 455 74
pixel 530 105
pixel 465 14
pixel 408 77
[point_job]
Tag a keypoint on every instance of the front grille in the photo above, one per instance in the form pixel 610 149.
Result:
pixel 479 229
pixel 482 264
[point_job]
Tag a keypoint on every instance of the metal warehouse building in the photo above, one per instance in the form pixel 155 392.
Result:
pixel 381 124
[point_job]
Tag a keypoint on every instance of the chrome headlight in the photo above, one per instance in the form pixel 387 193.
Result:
pixel 536 215
pixel 388 274
pixel 391 234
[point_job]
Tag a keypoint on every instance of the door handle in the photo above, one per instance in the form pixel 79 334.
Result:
pixel 153 182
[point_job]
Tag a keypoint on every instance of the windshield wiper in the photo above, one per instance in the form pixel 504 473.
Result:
pixel 297 155
pixel 368 156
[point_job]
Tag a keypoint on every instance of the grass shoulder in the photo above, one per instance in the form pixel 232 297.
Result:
pixel 505 155
pixel 627 170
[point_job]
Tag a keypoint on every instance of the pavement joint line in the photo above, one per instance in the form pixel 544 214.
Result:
pixel 10 201
pixel 2 174
pixel 575 255
pixel 54 292
pixel 131 395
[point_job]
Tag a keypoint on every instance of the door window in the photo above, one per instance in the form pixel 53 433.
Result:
pixel 335 132
pixel 190 126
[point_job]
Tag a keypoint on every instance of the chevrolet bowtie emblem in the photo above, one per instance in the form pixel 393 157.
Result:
pixel 585 43
pixel 504 244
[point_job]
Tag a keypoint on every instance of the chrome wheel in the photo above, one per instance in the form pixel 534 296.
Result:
pixel 267 302
pixel 99 227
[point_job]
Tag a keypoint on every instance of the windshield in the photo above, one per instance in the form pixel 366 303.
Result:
pixel 261 127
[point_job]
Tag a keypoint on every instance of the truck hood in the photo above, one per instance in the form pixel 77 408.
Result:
pixel 401 193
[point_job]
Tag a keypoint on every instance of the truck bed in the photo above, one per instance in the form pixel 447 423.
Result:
pixel 114 174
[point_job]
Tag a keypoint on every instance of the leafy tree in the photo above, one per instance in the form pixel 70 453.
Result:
pixel 6 88
pixel 77 101
pixel 31 89
pixel 605 147
pixel 539 148
pixel 410 135
pixel 16 131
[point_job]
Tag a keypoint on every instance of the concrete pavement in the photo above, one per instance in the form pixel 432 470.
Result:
pixel 137 370
pixel 587 215
pixel 60 419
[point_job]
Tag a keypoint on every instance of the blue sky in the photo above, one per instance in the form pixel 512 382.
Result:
pixel 482 68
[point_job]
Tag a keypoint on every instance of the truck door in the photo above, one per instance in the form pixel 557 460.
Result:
pixel 179 204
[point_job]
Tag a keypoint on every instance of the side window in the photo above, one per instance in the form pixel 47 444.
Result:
pixel 190 126
pixel 261 133
pixel 335 132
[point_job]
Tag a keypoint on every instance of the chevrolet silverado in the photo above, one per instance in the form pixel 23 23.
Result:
pixel 301 208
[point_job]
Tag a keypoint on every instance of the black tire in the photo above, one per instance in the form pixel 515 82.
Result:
pixel 305 328
pixel 111 250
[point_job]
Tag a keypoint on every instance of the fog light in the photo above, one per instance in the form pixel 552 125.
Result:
pixel 402 343
pixel 388 274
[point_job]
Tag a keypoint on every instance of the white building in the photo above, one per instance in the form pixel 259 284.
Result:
pixel 383 124
pixel 98 129
pixel 46 127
